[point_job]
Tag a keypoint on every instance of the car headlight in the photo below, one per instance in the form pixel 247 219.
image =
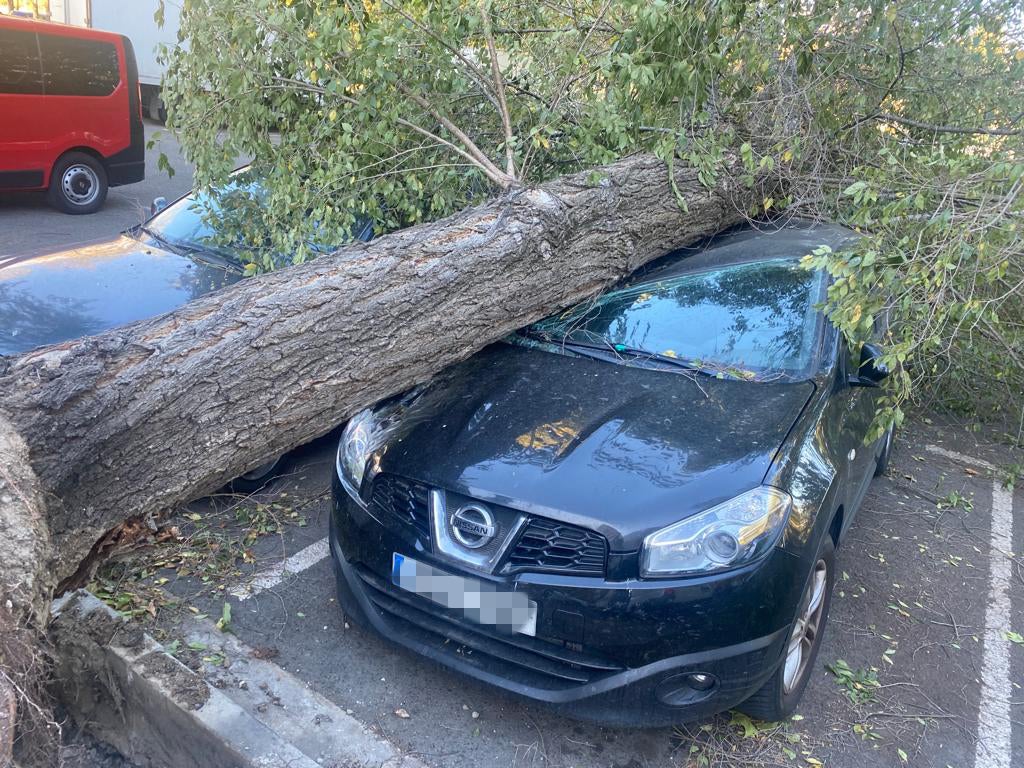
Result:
pixel 354 451
pixel 363 436
pixel 733 533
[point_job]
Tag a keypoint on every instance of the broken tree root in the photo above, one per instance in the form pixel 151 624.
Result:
pixel 27 728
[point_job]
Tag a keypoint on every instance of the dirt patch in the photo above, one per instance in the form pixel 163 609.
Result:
pixel 101 627
pixel 82 750
pixel 185 686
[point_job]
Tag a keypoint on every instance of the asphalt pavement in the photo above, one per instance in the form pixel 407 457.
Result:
pixel 29 225
pixel 917 661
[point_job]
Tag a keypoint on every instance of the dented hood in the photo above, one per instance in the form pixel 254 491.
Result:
pixel 619 449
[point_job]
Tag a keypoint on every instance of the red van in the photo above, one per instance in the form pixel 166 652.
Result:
pixel 70 115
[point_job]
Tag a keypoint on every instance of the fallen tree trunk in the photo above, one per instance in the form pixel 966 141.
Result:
pixel 142 418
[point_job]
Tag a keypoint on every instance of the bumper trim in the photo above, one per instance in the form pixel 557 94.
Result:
pixel 552 661
pixel 119 174
pixel 604 698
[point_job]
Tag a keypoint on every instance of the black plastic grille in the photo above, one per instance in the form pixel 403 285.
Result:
pixel 405 500
pixel 546 545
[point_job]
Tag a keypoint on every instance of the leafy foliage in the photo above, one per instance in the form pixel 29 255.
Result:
pixel 902 119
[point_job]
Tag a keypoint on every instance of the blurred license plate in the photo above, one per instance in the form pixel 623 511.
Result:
pixel 477 600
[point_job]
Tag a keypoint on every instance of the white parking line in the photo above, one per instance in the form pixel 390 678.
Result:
pixel 995 729
pixel 297 563
pixel 962 458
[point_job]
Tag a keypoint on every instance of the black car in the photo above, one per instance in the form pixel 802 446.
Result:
pixel 155 267
pixel 630 509
pixel 174 257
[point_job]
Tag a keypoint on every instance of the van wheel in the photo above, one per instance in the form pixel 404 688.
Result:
pixel 777 698
pixel 78 184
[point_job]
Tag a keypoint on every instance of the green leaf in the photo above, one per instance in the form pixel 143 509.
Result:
pixel 224 622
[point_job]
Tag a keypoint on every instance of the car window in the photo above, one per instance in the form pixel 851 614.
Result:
pixel 187 222
pixel 77 67
pixel 752 320
pixel 19 62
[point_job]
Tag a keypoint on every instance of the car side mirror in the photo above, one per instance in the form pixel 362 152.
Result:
pixel 872 371
pixel 159 203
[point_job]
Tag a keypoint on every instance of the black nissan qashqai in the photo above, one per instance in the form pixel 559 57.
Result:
pixel 630 509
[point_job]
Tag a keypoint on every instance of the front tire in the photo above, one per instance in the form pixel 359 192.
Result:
pixel 778 697
pixel 78 184
pixel 257 477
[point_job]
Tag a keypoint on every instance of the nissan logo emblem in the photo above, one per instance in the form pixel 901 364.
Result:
pixel 473 526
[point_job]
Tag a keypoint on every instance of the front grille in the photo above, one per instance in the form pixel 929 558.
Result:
pixel 550 546
pixel 543 546
pixel 407 501
pixel 517 658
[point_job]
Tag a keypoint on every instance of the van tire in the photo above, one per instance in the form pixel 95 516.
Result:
pixel 78 184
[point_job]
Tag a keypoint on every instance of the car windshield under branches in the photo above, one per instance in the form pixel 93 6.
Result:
pixel 753 320
pixel 228 222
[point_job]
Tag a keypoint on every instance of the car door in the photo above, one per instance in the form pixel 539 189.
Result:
pixel 859 404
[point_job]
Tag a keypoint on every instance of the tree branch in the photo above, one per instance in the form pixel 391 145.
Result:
pixel 477 158
pixel 887 116
pixel 499 90
pixel 499 176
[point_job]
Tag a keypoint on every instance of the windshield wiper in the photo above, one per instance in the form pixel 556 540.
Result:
pixel 615 349
pixel 194 251
pixel 159 238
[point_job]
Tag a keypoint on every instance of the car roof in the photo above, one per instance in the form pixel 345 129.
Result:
pixel 43 26
pixel 792 238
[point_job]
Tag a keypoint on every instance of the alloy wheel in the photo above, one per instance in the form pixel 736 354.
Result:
pixel 805 631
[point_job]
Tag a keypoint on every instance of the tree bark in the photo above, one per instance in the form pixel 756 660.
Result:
pixel 144 417
pixel 25 586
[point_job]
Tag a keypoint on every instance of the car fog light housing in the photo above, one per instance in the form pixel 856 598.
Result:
pixel 700 681
pixel 731 534
pixel 687 688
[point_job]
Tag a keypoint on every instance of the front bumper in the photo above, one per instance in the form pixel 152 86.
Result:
pixel 611 652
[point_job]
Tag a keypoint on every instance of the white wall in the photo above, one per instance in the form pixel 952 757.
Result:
pixel 70 11
pixel 134 18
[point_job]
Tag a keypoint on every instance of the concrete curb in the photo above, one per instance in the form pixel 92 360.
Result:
pixel 123 687
pixel 288 706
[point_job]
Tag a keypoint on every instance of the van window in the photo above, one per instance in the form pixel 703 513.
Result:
pixel 76 67
pixel 19 62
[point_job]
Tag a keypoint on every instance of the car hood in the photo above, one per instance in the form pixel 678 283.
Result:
pixel 54 297
pixel 619 449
